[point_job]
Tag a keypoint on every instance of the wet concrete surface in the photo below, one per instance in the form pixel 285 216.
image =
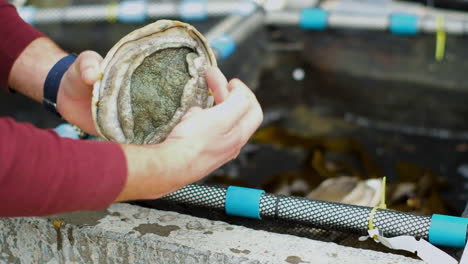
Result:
pixel 113 240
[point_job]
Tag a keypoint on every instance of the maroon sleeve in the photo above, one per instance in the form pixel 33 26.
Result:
pixel 15 36
pixel 41 173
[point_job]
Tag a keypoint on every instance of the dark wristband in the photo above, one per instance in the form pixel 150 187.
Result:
pixel 52 83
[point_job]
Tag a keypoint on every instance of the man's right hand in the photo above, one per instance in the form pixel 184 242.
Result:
pixel 204 140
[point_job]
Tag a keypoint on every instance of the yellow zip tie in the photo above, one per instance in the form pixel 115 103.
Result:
pixel 382 205
pixel 440 38
pixel 112 10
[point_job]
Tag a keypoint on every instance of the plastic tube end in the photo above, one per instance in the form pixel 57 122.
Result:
pixel 448 231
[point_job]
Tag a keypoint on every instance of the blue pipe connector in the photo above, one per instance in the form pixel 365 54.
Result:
pixel 28 14
pixel 133 11
pixel 193 10
pixel 224 44
pixel 67 131
pixel 449 231
pixel 313 18
pixel 243 202
pixel 404 24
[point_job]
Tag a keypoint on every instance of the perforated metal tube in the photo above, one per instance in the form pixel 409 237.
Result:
pixel 313 213
pixel 100 12
pixel 360 20
pixel 343 217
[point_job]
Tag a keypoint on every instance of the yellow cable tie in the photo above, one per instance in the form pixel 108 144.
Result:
pixel 112 10
pixel 440 38
pixel 382 205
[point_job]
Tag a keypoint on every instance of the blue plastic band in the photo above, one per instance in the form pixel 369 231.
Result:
pixel 132 11
pixel 246 8
pixel 449 231
pixel 52 83
pixel 193 10
pixel 404 24
pixel 66 130
pixel 28 14
pixel 224 44
pixel 313 18
pixel 243 202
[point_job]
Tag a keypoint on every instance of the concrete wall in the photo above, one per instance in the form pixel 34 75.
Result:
pixel 131 234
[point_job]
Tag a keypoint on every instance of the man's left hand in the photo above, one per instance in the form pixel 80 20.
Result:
pixel 76 88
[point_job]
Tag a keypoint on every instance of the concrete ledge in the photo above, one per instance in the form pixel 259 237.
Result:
pixel 131 234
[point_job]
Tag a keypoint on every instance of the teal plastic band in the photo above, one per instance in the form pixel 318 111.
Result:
pixel 313 18
pixel 66 130
pixel 224 44
pixel 132 11
pixel 404 24
pixel 449 231
pixel 193 10
pixel 28 14
pixel 243 202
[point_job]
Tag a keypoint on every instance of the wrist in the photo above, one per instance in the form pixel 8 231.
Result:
pixel 148 172
pixel 74 98
pixel 63 96
pixel 30 69
pixel 53 82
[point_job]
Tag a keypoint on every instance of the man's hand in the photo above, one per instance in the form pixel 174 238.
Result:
pixel 208 138
pixel 29 72
pixel 76 88
pixel 204 140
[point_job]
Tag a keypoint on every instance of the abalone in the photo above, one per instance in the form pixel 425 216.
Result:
pixel 151 78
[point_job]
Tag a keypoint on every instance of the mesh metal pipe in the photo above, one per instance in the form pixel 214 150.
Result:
pixel 428 23
pixel 110 12
pixel 313 213
pixel 370 16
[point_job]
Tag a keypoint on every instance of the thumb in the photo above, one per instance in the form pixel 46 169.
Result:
pixel 191 112
pixel 88 66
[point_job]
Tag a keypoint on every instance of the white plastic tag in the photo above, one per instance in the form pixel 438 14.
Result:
pixel 464 258
pixel 425 250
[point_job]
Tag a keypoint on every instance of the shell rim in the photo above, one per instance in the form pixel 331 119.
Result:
pixel 151 29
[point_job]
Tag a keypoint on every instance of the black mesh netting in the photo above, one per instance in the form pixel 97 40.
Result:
pixel 318 220
pixel 342 217
pixel 305 217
